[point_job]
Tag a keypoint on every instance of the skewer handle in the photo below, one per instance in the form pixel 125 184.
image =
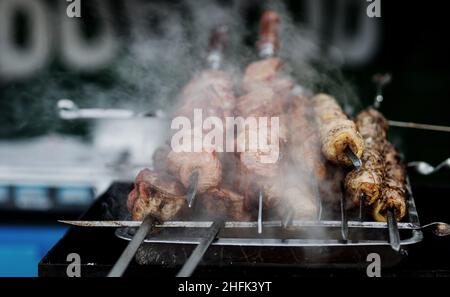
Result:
pixel 217 43
pixel 129 252
pixel 197 255
pixel 268 34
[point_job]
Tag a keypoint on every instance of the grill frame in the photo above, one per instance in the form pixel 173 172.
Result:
pixel 412 226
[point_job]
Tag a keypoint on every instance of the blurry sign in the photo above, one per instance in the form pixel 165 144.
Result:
pixel 77 52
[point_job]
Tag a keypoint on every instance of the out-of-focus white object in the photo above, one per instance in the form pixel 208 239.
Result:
pixel 123 136
pixel 426 169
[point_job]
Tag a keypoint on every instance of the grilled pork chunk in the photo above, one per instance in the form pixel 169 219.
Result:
pixel 337 132
pixel 393 193
pixel 157 194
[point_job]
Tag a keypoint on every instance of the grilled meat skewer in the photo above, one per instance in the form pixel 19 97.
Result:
pixel 265 90
pixel 162 193
pixel 393 196
pixel 337 132
pixel 366 182
pixel 212 92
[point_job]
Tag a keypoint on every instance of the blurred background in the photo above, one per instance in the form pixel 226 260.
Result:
pixel 133 57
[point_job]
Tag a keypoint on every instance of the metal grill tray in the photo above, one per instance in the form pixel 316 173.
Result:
pixel 299 234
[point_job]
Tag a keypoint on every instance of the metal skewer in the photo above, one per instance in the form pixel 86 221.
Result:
pixel 196 256
pixel 440 228
pixel 353 157
pixel 361 207
pixel 288 218
pixel 419 126
pixel 394 235
pixel 381 80
pixel 129 252
pixel 192 190
pixel 344 219
pixel 260 214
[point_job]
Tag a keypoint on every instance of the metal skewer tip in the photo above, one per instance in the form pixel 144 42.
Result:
pixel 192 190
pixel 361 207
pixel 344 219
pixel 288 218
pixel 394 235
pixel 260 209
pixel 353 157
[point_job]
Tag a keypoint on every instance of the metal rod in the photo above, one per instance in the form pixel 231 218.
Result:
pixel 260 213
pixel 196 256
pixel 394 235
pixel 129 252
pixel 361 207
pixel 192 190
pixel 344 219
pixel 353 157
pixel 419 126
pixel 241 224
pixel 288 218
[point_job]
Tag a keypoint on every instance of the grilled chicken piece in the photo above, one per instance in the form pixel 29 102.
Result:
pixel 262 160
pixel 259 102
pixel 211 91
pixel 366 182
pixel 207 164
pixel 223 201
pixel 304 149
pixel 261 73
pixel 157 194
pixel 393 195
pixel 337 132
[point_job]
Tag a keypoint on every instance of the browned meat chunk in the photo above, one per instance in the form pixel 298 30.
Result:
pixel 337 132
pixel 157 194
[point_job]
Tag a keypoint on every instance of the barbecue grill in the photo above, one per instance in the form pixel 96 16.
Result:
pixel 336 239
pixel 99 248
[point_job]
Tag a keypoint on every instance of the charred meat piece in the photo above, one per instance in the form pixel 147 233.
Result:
pixel 223 201
pixel 337 132
pixel 157 194
pixel 304 144
pixel 263 101
pixel 210 90
pixel 366 182
pixel 207 164
pixel 393 195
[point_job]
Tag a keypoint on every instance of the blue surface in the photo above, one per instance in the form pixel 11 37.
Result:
pixel 22 247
